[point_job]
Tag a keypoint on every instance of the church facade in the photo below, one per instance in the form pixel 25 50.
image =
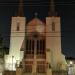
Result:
pixel 35 46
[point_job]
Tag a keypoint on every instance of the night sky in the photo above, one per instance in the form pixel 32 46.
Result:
pixel 64 8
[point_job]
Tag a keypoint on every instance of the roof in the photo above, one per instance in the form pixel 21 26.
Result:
pixel 36 21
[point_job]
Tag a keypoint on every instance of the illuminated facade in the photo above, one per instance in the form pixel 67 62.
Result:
pixel 35 46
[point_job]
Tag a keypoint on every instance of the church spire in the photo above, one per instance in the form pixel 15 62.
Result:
pixel 52 11
pixel 20 9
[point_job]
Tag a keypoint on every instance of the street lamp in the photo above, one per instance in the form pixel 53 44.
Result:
pixel 71 62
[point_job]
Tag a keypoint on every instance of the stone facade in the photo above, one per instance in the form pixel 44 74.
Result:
pixel 35 46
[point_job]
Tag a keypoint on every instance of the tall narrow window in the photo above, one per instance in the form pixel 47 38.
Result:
pixel 32 46
pixel 29 46
pixel 53 26
pixel 18 26
pixel 40 46
pixel 43 46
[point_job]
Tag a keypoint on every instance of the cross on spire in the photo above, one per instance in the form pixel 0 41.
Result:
pixel 20 9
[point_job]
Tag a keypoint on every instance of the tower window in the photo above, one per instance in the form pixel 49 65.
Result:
pixel 18 26
pixel 53 26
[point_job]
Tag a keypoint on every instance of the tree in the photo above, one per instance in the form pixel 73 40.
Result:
pixel 3 49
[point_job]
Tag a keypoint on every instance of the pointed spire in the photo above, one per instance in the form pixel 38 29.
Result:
pixel 20 9
pixel 52 8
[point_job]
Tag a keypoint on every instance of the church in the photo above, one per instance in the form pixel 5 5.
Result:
pixel 35 46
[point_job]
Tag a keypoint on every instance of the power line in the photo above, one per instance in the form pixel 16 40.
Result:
pixel 38 3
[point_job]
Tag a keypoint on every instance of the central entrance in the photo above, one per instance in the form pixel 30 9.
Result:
pixel 34 54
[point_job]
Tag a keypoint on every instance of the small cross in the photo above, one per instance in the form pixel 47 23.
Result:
pixel 36 14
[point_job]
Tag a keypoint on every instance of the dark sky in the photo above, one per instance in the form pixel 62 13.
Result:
pixel 64 8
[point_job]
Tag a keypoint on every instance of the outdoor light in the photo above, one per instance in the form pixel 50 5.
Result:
pixel 71 62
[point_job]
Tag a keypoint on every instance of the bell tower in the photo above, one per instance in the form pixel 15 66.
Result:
pixel 53 39
pixel 16 38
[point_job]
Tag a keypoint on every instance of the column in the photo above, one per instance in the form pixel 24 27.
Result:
pixel 48 61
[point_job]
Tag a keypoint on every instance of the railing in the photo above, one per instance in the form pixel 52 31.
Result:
pixel 59 73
